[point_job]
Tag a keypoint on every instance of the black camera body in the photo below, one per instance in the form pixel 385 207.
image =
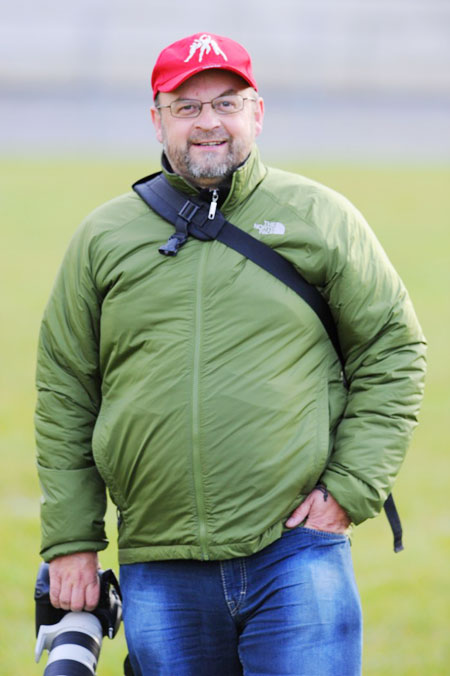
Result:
pixel 74 639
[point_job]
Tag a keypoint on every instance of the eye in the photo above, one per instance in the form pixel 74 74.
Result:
pixel 226 104
pixel 185 108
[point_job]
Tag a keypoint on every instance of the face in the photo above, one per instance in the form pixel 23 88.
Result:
pixel 207 148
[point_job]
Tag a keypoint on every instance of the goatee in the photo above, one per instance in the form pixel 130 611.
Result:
pixel 209 165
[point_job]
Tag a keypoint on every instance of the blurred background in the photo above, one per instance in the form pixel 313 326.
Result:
pixel 357 79
pixel 358 97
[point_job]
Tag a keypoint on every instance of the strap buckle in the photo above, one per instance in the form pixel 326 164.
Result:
pixel 180 236
pixel 188 211
pixel 173 244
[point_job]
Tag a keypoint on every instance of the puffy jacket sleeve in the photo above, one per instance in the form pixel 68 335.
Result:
pixel 385 366
pixel 68 383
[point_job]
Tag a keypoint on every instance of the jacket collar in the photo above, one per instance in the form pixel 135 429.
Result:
pixel 243 181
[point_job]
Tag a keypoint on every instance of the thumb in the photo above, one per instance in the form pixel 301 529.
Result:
pixel 299 514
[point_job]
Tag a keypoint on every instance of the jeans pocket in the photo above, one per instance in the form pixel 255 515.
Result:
pixel 324 533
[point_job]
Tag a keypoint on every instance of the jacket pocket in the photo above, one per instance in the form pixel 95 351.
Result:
pixel 102 453
pixel 323 429
pixel 99 438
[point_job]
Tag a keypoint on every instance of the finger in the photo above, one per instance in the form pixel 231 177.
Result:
pixel 299 514
pixel 92 595
pixel 329 526
pixel 55 590
pixel 327 516
pixel 65 595
pixel 77 599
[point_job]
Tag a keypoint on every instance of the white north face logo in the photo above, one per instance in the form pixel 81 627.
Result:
pixel 270 228
pixel 203 45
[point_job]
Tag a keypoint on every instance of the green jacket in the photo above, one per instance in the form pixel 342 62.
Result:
pixel 206 395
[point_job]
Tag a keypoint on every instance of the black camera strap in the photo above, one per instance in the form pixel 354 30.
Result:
pixel 192 216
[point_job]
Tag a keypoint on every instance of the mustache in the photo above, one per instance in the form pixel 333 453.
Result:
pixel 208 136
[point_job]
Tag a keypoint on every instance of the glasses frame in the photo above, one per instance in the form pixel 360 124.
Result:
pixel 204 103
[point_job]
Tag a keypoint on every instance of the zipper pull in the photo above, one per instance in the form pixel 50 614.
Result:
pixel 213 205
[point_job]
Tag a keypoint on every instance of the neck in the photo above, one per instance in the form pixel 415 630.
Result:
pixel 203 183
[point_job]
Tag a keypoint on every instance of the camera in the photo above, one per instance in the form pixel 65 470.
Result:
pixel 74 639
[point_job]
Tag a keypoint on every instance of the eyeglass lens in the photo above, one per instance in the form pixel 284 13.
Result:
pixel 224 105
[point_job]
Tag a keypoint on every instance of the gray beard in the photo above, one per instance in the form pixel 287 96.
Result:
pixel 209 167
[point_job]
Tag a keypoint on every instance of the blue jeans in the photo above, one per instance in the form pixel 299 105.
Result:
pixel 291 609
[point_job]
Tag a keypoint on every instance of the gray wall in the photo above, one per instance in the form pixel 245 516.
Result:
pixel 350 70
pixel 319 44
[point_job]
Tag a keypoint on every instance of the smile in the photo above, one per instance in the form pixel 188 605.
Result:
pixel 208 144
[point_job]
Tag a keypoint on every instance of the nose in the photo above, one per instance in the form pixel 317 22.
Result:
pixel 208 118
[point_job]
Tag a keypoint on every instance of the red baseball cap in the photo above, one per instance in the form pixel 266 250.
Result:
pixel 196 53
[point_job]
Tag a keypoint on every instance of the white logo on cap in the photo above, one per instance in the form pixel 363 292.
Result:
pixel 204 43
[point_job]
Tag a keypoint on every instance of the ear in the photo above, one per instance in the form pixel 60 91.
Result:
pixel 157 123
pixel 259 116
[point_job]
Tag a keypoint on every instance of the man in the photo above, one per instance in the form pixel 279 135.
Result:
pixel 208 398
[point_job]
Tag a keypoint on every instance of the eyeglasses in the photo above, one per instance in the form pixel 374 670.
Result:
pixel 223 105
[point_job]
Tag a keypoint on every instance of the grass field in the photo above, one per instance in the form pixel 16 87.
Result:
pixel 406 596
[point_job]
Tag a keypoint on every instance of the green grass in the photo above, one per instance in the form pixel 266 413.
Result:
pixel 405 597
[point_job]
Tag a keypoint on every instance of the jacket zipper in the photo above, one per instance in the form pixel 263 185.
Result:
pixel 213 205
pixel 196 451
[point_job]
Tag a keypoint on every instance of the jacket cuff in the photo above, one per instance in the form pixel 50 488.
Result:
pixel 71 548
pixel 357 498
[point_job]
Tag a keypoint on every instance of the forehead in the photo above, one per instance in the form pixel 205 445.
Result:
pixel 208 83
